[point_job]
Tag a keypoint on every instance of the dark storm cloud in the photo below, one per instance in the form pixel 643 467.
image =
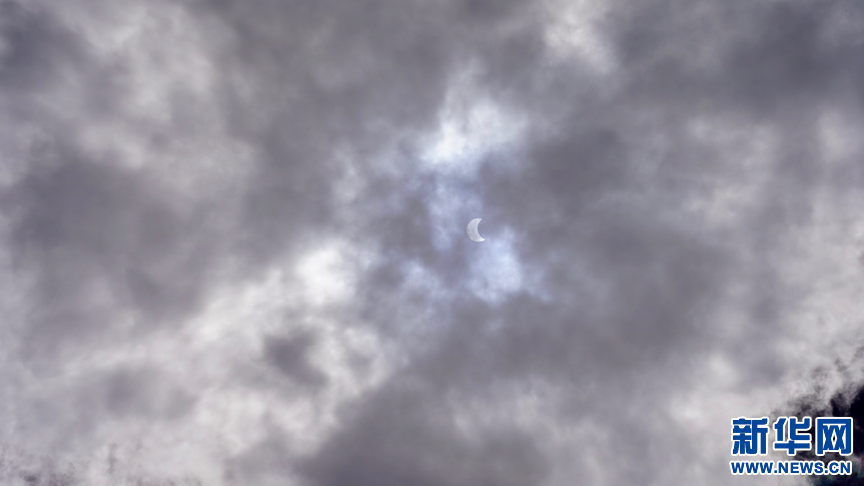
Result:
pixel 36 50
pixel 408 436
pixel 290 356
pixel 78 227
pixel 632 278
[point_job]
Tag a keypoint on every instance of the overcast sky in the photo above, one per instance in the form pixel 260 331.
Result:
pixel 233 249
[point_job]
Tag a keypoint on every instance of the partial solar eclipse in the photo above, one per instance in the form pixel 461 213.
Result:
pixel 473 232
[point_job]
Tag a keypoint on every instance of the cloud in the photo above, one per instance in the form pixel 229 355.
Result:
pixel 233 237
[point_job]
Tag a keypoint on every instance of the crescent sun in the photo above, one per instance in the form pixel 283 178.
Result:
pixel 473 232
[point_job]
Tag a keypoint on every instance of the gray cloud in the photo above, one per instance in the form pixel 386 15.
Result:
pixel 404 435
pixel 233 236
pixel 290 356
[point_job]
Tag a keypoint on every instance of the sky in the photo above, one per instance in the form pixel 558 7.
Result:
pixel 233 248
